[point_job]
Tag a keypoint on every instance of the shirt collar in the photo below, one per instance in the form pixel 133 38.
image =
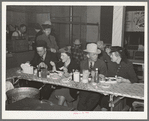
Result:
pixel 44 56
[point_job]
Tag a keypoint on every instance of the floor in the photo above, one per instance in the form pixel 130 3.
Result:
pixel 74 104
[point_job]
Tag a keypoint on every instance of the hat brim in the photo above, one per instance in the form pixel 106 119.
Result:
pixel 97 52
pixel 77 43
pixel 46 26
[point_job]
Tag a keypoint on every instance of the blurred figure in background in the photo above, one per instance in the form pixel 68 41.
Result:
pixel 9 30
pixel 47 37
pixel 77 52
pixel 20 33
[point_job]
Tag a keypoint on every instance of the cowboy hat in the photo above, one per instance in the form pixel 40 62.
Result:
pixel 77 42
pixel 92 48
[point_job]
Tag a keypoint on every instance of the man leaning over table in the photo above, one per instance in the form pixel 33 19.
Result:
pixel 42 58
pixel 89 100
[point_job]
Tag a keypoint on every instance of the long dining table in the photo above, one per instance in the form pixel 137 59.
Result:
pixel 135 90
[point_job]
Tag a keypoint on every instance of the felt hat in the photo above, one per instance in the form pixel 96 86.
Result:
pixel 47 24
pixel 41 43
pixel 77 42
pixel 92 48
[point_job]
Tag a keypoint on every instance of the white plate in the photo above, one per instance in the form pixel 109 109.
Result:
pixel 55 76
pixel 66 80
pixel 105 86
pixel 111 82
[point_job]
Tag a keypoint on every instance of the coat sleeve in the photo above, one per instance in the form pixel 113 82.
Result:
pixel 34 62
pixel 103 68
pixel 54 42
pixel 132 74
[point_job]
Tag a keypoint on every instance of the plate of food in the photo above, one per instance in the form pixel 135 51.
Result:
pixel 105 86
pixel 110 80
pixel 55 75
pixel 66 80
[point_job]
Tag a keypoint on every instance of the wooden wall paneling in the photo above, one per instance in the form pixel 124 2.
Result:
pixel 93 16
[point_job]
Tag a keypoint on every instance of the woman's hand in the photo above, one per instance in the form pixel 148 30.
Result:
pixel 53 66
pixel 122 80
pixel 65 69
pixel 43 65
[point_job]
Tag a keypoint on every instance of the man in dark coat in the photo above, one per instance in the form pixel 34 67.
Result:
pixel 42 59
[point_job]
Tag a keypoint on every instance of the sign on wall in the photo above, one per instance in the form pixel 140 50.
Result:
pixel 135 21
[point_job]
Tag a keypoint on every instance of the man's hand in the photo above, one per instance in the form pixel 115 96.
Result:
pixel 43 65
pixel 102 76
pixel 52 63
pixel 53 50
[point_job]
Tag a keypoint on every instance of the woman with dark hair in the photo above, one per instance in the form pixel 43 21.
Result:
pixel 67 64
pixel 121 68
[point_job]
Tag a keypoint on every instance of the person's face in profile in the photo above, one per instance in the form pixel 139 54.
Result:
pixel 41 51
pixel 93 56
pixel 47 31
pixel 64 57
pixel 23 29
pixel 114 56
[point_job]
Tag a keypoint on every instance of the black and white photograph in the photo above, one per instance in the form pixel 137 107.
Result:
pixel 74 60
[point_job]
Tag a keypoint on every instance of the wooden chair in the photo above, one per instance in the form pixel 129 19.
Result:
pixel 139 55
pixel 119 104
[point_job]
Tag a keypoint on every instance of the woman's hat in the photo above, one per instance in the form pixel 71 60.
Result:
pixel 92 48
pixel 77 42
pixel 65 49
pixel 47 24
pixel 116 49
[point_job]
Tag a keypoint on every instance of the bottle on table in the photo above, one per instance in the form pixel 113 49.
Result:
pixel 73 74
pixel 96 77
pixel 76 76
pixel 38 72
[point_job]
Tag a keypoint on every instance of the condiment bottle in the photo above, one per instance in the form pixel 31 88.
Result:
pixel 73 74
pixel 38 71
pixel 96 77
pixel 76 76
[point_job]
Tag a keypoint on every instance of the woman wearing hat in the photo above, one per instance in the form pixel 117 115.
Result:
pixel 120 68
pixel 88 100
pixel 47 37
pixel 67 64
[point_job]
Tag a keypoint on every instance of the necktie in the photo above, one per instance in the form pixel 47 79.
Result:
pixel 91 65
pixel 42 59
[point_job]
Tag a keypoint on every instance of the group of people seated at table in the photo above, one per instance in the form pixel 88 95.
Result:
pixel 110 61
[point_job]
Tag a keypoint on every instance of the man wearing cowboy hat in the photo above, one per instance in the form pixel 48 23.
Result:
pixel 77 52
pixel 88 100
pixel 48 38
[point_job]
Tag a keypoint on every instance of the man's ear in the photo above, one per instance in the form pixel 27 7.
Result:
pixel 117 54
